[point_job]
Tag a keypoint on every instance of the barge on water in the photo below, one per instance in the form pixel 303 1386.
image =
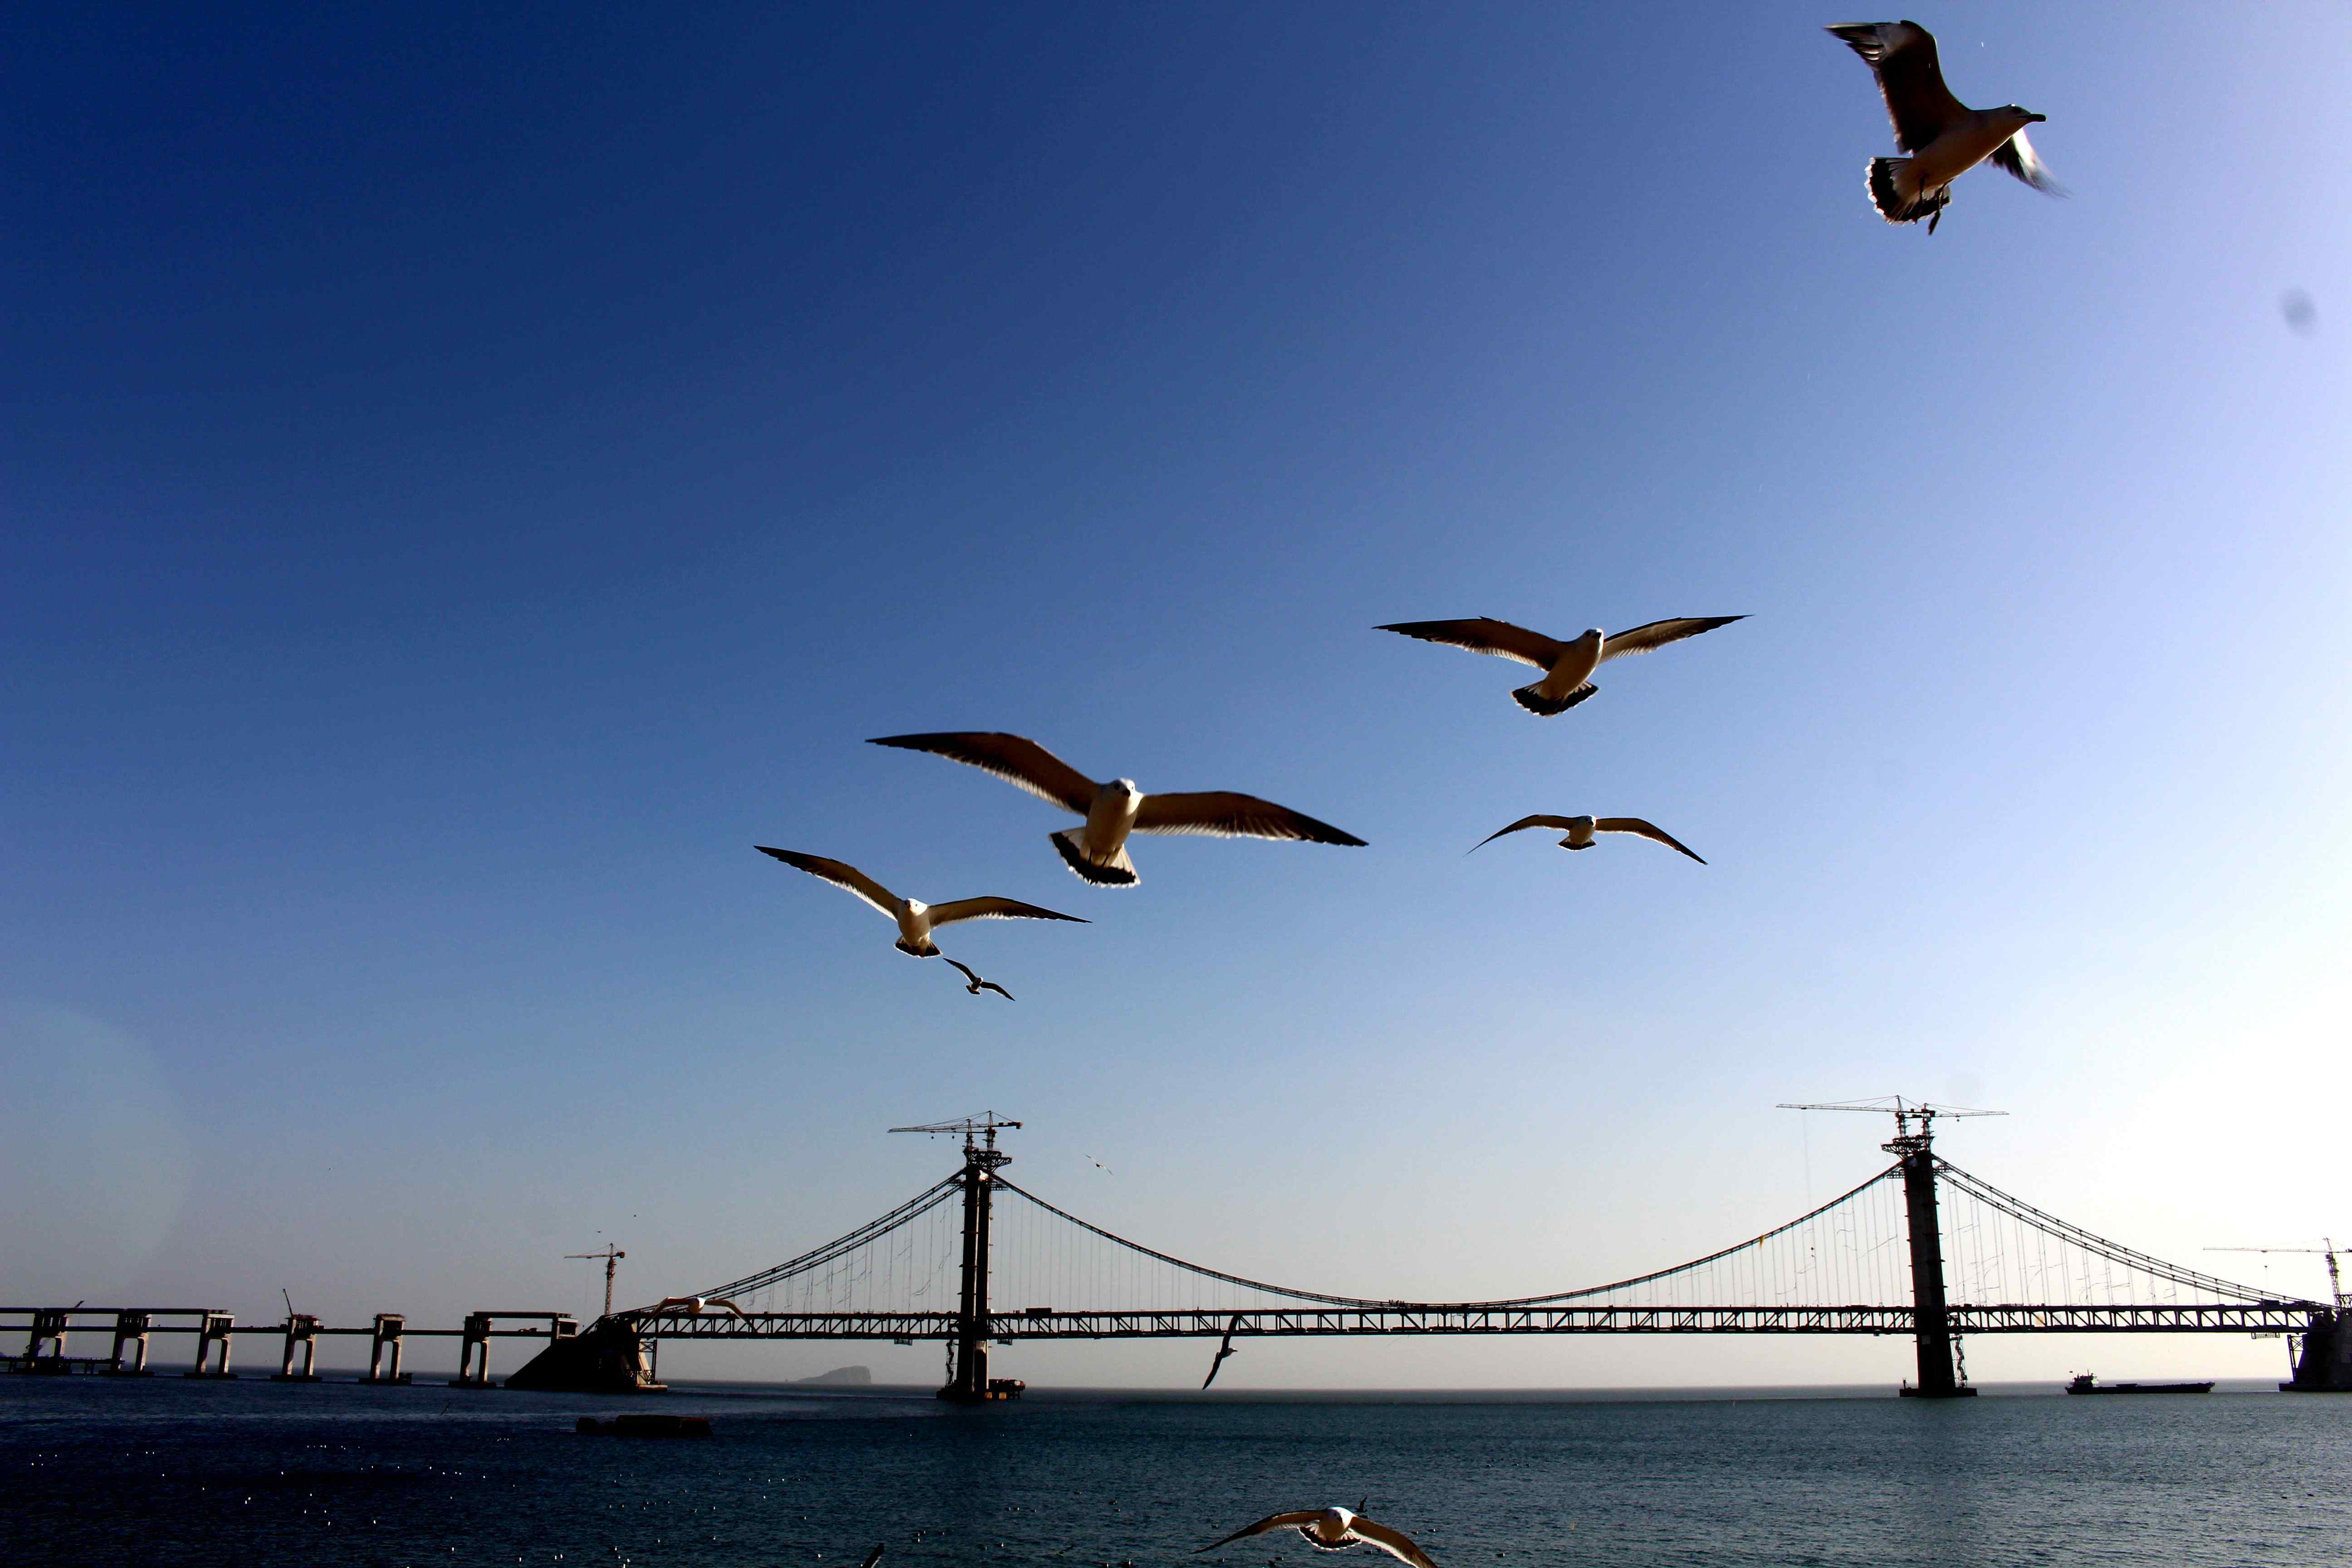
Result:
pixel 2084 1383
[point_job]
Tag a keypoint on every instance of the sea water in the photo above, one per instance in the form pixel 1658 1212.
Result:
pixel 166 1471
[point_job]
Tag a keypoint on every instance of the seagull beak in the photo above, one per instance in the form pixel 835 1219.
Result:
pixel 2038 119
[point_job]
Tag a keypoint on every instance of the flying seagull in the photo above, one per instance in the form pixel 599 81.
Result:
pixel 1567 665
pixel 1945 137
pixel 975 984
pixel 1097 852
pixel 1217 1362
pixel 692 1306
pixel 916 919
pixel 1580 829
pixel 1335 1529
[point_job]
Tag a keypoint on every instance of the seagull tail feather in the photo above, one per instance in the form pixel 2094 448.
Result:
pixel 1535 702
pixel 1119 871
pixel 1894 192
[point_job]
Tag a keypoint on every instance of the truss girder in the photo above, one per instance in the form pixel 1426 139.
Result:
pixel 2024 1318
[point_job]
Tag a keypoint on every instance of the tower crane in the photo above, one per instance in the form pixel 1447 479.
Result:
pixel 1905 1112
pixel 612 1255
pixel 2327 1249
pixel 978 1132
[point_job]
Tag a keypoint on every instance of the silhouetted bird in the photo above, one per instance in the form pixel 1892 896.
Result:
pixel 916 919
pixel 1333 1529
pixel 1567 665
pixel 1097 852
pixel 1945 138
pixel 1580 829
pixel 1217 1363
pixel 975 984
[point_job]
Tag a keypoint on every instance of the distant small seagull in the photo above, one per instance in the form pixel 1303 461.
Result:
pixel 1580 829
pixel 1217 1363
pixel 1567 665
pixel 694 1306
pixel 1097 852
pixel 1334 1530
pixel 2301 314
pixel 975 984
pixel 1945 137
pixel 916 919
pixel 1099 1165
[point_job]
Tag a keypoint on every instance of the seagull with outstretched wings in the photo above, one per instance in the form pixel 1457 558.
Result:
pixel 1568 666
pixel 1335 1529
pixel 915 919
pixel 1097 852
pixel 1945 137
pixel 1582 830
pixel 694 1306
pixel 1217 1362
pixel 975 984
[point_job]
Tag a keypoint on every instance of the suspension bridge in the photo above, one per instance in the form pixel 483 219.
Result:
pixel 977 1261
pixel 1921 1249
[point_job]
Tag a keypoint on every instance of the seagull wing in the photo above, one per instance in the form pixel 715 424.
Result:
pixel 1648 830
pixel 1562 823
pixel 1220 814
pixel 993 985
pixel 1902 54
pixel 723 1301
pixel 1016 759
pixel 841 873
pixel 1271 1521
pixel 1485 635
pixel 874 1556
pixel 1658 634
pixel 968 974
pixel 1395 1543
pixel 2016 155
pixel 948 914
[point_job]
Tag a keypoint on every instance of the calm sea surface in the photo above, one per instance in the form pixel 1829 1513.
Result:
pixel 165 1471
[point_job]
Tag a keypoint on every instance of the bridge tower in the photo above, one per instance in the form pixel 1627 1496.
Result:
pixel 1931 1318
pixel 969 1383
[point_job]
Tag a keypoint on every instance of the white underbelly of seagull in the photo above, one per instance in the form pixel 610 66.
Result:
pixel 1096 851
pixel 915 919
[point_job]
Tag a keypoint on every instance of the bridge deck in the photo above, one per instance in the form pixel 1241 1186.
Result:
pixel 2215 1318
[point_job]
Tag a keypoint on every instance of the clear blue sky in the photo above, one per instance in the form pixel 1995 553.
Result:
pixel 467 479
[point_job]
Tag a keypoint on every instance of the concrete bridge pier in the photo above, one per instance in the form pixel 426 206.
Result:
pixel 47 1339
pixel 390 1329
pixel 213 1330
pixel 301 1329
pixel 2325 1365
pixel 474 1353
pixel 130 1334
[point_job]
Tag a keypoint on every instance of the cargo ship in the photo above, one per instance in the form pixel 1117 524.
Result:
pixel 2086 1383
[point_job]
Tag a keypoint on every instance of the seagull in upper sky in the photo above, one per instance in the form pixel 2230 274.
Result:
pixel 1335 1529
pixel 1567 665
pixel 1580 829
pixel 975 984
pixel 1945 137
pixel 916 919
pixel 1097 852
